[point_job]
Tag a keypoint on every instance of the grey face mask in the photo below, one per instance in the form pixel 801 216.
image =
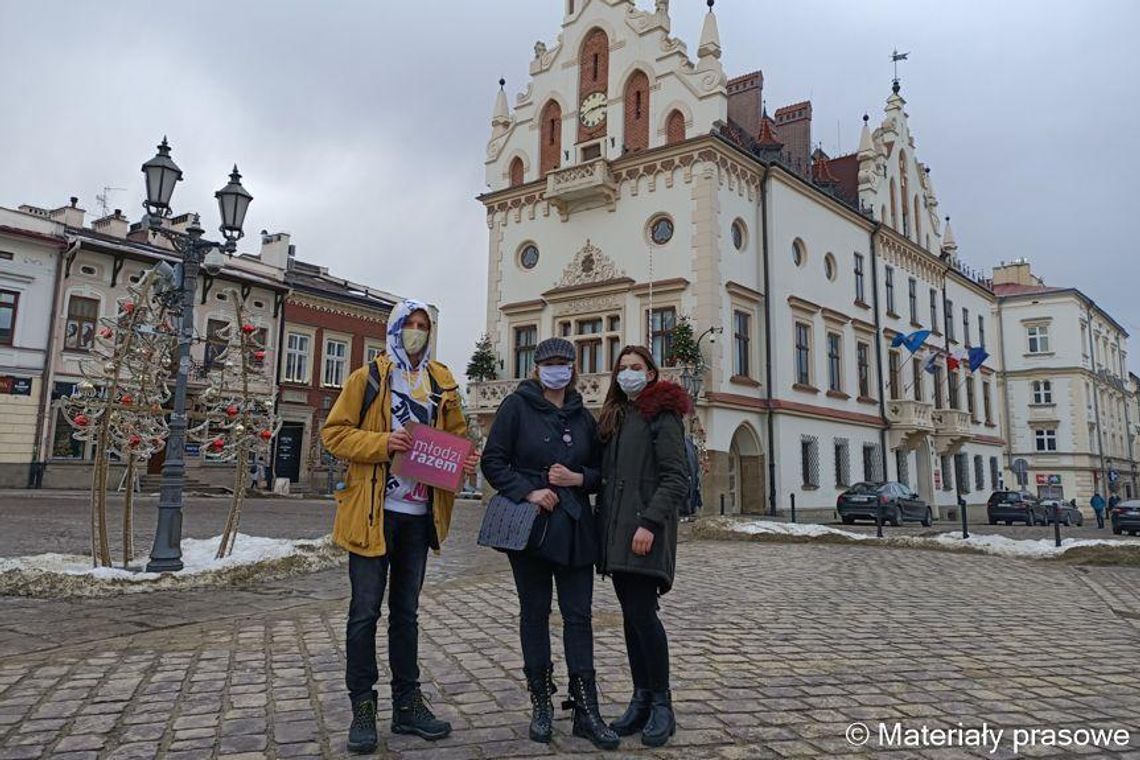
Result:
pixel 632 382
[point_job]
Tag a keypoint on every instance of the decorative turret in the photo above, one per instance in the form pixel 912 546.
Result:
pixel 949 244
pixel 710 36
pixel 866 144
pixel 769 146
pixel 501 118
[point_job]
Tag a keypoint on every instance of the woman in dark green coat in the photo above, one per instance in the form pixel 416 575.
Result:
pixel 645 482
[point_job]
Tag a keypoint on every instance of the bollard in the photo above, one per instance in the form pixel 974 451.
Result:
pixel 722 505
pixel 1057 524
pixel 879 519
pixel 965 523
pixel 793 507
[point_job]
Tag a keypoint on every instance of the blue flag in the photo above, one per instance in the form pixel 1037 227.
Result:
pixel 913 342
pixel 977 357
pixel 931 364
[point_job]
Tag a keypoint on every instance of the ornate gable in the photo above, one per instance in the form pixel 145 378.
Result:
pixel 589 266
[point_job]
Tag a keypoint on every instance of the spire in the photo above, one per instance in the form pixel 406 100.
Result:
pixel 866 145
pixel 949 244
pixel 501 118
pixel 710 36
pixel 821 171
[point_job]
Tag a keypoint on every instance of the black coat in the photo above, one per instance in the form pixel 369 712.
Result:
pixel 526 438
pixel 645 484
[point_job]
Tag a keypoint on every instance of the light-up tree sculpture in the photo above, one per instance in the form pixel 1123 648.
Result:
pixel 240 422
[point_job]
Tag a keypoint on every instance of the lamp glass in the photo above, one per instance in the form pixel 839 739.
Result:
pixel 233 202
pixel 161 174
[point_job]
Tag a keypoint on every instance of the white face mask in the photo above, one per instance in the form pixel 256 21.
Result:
pixel 414 340
pixel 632 381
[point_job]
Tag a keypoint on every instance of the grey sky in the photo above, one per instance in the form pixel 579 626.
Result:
pixel 361 126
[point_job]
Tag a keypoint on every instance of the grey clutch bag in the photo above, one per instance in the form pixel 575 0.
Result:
pixel 510 525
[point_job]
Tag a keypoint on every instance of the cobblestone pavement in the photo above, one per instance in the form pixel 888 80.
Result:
pixel 776 650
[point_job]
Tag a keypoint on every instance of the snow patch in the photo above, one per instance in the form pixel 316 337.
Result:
pixel 64 575
pixel 1002 546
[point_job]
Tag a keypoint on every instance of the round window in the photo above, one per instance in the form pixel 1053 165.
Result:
pixel 798 253
pixel 739 235
pixel 529 256
pixel 661 230
pixel 829 266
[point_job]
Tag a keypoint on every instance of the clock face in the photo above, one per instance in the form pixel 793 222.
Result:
pixel 593 109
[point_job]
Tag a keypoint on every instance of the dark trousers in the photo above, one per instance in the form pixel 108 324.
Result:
pixel 534 581
pixel 1099 517
pixel 645 639
pixel 407 538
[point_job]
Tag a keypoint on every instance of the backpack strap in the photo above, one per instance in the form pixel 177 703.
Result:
pixel 371 391
pixel 437 392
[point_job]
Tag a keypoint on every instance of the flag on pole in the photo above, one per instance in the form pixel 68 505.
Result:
pixel 913 342
pixel 931 364
pixel 977 357
pixel 952 362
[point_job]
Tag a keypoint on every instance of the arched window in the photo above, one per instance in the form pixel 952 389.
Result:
pixel 516 172
pixel 894 206
pixel 593 76
pixel 675 128
pixel 637 112
pixel 550 151
pixel 904 186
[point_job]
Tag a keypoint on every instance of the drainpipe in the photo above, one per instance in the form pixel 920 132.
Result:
pixel 1127 421
pixel 1005 391
pixel 771 457
pixel 47 374
pixel 879 348
pixel 1096 401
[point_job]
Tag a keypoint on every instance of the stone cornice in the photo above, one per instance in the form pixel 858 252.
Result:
pixel 743 291
pixel 519 307
pixel 671 285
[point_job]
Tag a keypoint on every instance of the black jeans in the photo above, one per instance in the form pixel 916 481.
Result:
pixel 645 640
pixel 534 580
pixel 1099 517
pixel 407 538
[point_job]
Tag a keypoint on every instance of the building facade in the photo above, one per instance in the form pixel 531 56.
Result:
pixel 1070 398
pixel 632 186
pixel 332 326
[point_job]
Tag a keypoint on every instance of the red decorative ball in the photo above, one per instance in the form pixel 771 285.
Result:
pixel 128 307
pixel 231 410
pixel 217 444
pixel 126 400
pixel 81 420
pixel 106 332
pixel 266 435
pixel 248 328
pixel 135 441
pixel 259 355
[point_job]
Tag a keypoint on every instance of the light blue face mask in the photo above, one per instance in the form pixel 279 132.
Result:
pixel 555 376
pixel 632 381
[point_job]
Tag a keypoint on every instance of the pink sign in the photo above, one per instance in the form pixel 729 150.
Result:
pixel 436 458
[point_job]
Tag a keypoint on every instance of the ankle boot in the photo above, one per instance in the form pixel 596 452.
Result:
pixel 541 686
pixel 588 722
pixel 662 724
pixel 362 737
pixel 635 715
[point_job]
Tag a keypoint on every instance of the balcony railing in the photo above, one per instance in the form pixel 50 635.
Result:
pixel 582 186
pixel 952 428
pixel 905 414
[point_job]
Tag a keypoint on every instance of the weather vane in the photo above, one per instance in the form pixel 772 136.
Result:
pixel 896 56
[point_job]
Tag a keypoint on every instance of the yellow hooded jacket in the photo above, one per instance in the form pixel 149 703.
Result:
pixel 363 444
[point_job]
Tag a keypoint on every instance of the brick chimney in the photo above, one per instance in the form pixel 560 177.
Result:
pixel 70 215
pixel 1016 272
pixel 115 225
pixel 746 101
pixel 275 249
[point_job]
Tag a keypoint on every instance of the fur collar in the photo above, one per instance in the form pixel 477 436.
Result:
pixel 663 396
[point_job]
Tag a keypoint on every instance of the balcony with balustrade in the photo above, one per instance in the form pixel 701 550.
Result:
pixel 582 186
pixel 952 428
pixel 909 422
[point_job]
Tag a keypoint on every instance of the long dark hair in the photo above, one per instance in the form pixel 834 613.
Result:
pixel 613 410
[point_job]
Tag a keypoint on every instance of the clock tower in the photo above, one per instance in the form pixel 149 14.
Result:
pixel 593 90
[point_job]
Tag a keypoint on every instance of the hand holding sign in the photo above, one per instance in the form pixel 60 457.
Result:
pixel 432 457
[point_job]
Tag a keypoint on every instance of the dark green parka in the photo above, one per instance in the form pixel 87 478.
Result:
pixel 645 482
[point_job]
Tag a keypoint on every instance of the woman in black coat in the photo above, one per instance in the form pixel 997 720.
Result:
pixel 543 448
pixel 645 484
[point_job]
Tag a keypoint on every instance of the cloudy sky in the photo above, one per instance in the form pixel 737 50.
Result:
pixel 360 126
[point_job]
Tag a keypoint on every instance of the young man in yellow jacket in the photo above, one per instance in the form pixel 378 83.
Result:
pixel 388 523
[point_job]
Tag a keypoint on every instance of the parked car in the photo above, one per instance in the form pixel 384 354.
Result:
pixel 1014 506
pixel 1069 514
pixel 1126 517
pixel 862 501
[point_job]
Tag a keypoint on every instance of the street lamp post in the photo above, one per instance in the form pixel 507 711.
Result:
pixel 233 201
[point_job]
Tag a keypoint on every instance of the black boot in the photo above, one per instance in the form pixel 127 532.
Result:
pixel 541 686
pixel 588 723
pixel 412 716
pixel 662 723
pixel 362 733
pixel 636 714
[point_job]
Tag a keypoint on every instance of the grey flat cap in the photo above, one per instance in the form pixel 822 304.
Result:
pixel 554 348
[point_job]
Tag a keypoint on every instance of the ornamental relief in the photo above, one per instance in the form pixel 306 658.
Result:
pixel 589 265
pixel 586 306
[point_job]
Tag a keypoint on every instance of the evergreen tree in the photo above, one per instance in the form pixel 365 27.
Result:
pixel 684 350
pixel 482 364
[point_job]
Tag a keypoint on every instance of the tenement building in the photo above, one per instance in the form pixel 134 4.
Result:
pixel 634 185
pixel 1070 400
